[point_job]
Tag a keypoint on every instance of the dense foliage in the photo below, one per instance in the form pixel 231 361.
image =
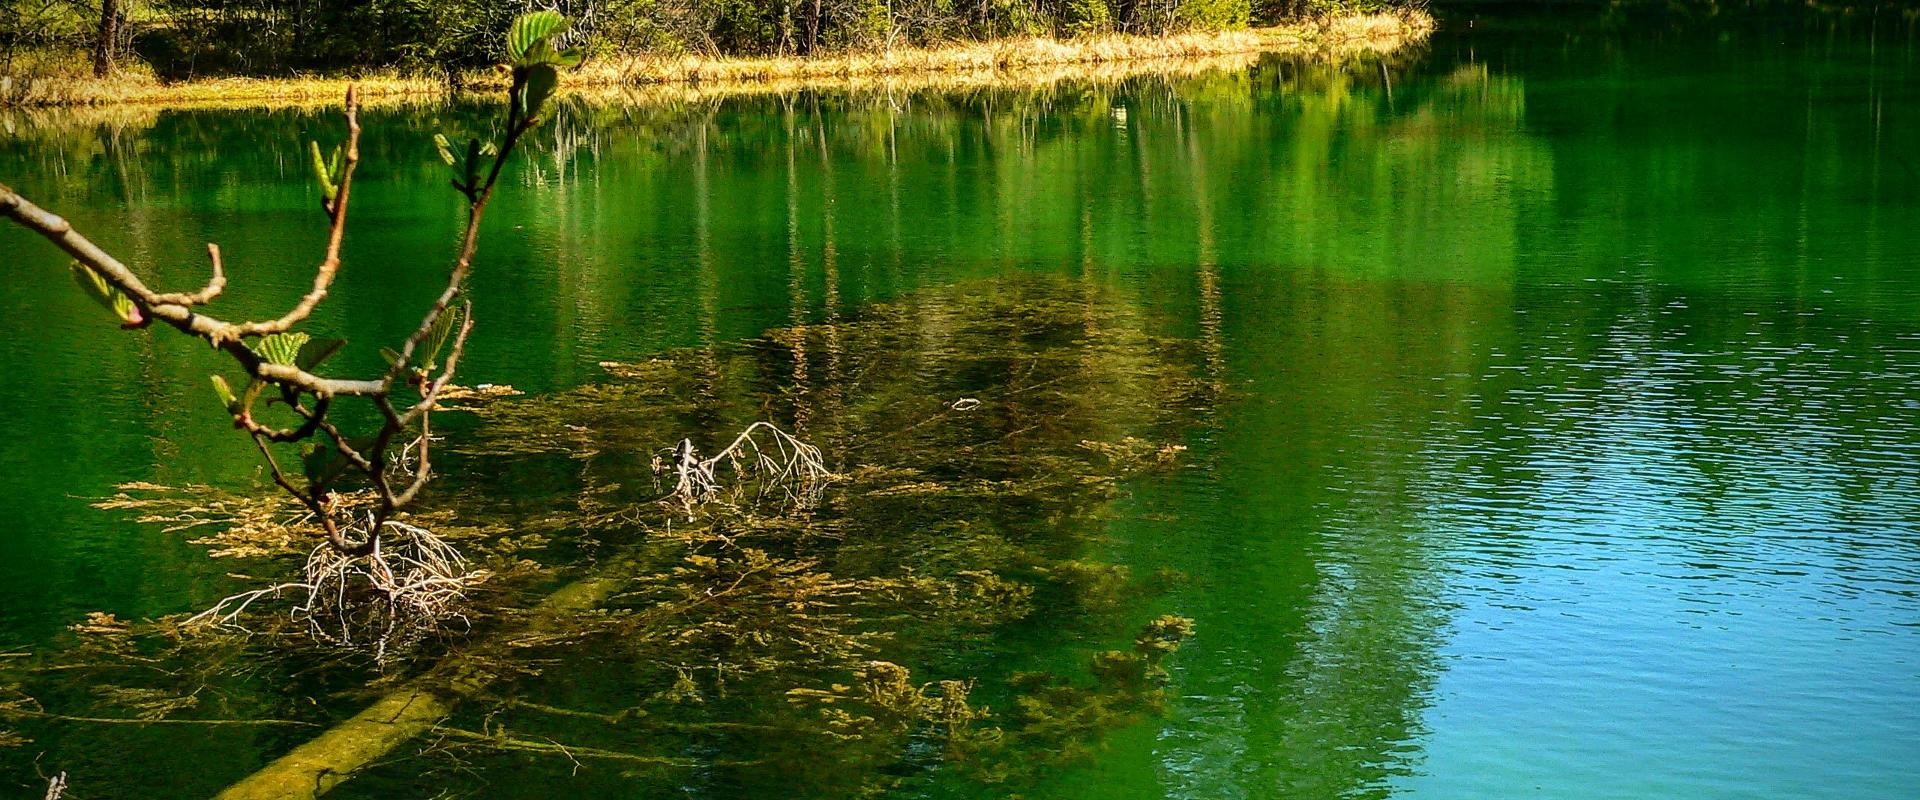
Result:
pixel 178 38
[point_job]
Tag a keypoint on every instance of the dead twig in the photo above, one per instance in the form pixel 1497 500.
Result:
pixel 762 456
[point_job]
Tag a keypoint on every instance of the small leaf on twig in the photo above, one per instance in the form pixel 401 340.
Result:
pixel 532 29
pixel 314 351
pixel 107 295
pixel 324 173
pixel 443 326
pixel 473 163
pixel 225 393
pixel 324 462
pixel 282 348
pixel 536 84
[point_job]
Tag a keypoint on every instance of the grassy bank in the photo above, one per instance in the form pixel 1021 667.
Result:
pixel 973 62
pixel 1331 36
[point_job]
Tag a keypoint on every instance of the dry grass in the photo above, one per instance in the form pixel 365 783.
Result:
pixel 966 64
pixel 137 89
pixel 900 83
pixel 1332 36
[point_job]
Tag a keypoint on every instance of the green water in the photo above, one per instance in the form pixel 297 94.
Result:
pixel 1560 440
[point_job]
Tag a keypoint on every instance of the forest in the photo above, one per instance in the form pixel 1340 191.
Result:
pixel 189 38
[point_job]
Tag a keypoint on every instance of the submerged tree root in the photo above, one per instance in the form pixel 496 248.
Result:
pixel 410 584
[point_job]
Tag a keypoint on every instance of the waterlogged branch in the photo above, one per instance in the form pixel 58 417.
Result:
pixel 275 356
pixel 158 306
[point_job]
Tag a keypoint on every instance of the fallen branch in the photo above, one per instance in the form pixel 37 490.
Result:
pixel 16 712
pixel 783 463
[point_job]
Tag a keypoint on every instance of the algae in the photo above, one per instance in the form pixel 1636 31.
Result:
pixel 726 645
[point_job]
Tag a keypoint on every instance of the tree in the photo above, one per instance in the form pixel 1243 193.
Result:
pixel 103 40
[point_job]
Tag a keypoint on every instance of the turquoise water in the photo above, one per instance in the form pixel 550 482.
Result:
pixel 1564 443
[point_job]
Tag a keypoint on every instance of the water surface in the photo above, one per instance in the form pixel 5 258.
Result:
pixel 1558 436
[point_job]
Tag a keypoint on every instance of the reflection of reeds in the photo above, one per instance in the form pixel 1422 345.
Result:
pixel 28 124
pixel 974 64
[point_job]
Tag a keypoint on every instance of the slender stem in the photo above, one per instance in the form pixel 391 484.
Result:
pixel 176 309
pixel 337 230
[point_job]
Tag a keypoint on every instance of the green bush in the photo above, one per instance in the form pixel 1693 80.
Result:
pixel 1213 14
pixel 1081 17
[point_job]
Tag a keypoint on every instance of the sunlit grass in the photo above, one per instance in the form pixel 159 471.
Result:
pixel 67 81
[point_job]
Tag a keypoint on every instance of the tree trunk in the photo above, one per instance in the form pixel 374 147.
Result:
pixel 813 29
pixel 109 31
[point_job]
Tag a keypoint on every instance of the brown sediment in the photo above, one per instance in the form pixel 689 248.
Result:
pixel 966 64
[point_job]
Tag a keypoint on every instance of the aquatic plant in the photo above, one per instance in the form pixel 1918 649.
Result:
pixel 736 640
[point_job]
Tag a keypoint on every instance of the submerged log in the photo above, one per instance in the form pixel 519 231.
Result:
pixel 332 758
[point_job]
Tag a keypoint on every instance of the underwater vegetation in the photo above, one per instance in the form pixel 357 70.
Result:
pixel 973 440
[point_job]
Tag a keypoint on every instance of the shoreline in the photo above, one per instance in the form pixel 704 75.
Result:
pixel 969 62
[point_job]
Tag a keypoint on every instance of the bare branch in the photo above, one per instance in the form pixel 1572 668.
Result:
pixel 214 286
pixel 313 419
pixel 284 363
pixel 330 264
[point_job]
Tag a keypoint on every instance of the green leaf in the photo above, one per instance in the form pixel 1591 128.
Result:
pixel 323 463
pixel 106 294
pixel 225 393
pixel 315 351
pixel 446 148
pixel 571 57
pixel 540 53
pixel 436 339
pixel 282 348
pixel 315 459
pixel 426 357
pixel 531 29
pixel 535 84
pixel 322 173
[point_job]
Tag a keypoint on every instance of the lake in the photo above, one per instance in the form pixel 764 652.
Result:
pixel 1532 413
